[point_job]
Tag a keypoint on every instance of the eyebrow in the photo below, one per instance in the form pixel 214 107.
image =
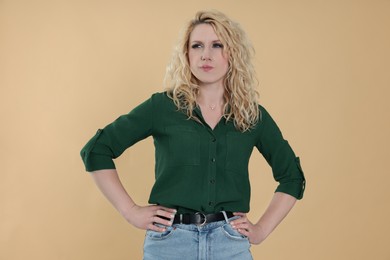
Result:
pixel 197 41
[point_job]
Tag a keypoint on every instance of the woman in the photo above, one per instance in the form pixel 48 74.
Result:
pixel 205 127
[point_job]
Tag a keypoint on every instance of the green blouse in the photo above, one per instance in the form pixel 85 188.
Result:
pixel 197 168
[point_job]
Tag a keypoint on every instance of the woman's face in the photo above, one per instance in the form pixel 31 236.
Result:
pixel 208 61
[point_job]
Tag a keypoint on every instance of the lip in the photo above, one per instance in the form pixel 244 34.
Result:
pixel 206 68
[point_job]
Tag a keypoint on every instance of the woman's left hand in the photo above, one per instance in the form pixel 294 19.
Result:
pixel 254 232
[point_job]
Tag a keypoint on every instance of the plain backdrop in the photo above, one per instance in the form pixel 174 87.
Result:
pixel 68 68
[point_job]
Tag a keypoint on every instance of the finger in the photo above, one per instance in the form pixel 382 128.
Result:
pixel 242 226
pixel 239 214
pixel 157 207
pixel 169 210
pixel 237 222
pixel 162 221
pixel 153 227
pixel 243 232
pixel 164 213
pixel 242 219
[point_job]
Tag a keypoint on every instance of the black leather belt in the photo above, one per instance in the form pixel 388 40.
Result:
pixel 199 218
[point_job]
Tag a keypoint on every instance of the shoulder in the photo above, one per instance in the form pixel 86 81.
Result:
pixel 152 104
pixel 266 123
pixel 160 103
pixel 264 115
pixel 160 98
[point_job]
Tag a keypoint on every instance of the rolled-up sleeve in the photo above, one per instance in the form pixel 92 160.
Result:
pixel 286 167
pixel 111 141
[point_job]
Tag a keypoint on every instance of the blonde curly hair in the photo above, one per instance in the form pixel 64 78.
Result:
pixel 240 96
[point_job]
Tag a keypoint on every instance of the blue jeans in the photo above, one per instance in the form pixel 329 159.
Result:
pixel 214 241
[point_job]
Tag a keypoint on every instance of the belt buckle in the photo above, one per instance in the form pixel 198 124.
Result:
pixel 201 215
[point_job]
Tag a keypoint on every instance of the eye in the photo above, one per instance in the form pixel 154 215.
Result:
pixel 196 45
pixel 218 45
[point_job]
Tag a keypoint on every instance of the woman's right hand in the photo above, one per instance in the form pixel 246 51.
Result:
pixel 146 217
pixel 141 217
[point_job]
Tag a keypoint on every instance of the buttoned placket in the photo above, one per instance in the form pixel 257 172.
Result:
pixel 212 164
pixel 212 169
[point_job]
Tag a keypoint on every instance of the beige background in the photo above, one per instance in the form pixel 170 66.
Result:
pixel 68 68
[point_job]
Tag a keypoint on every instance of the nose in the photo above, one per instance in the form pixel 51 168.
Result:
pixel 206 54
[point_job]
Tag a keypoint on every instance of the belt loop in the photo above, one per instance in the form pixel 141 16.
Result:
pixel 181 218
pixel 226 218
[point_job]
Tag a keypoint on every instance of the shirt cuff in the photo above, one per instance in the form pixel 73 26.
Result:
pixel 94 162
pixel 295 189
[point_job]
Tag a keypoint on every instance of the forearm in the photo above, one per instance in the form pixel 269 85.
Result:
pixel 279 207
pixel 110 185
pixel 141 217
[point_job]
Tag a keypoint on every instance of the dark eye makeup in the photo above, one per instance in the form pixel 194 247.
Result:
pixel 196 45
pixel 199 45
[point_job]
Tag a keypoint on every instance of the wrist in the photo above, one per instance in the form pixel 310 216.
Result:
pixel 262 230
pixel 127 210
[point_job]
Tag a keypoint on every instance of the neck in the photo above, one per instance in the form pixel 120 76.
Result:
pixel 211 95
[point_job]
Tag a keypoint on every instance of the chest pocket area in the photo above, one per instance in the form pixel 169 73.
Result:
pixel 184 146
pixel 239 149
